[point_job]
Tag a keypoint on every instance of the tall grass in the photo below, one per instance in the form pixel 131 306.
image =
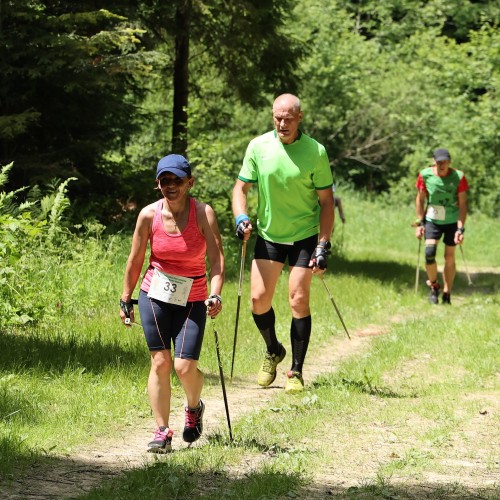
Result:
pixel 383 233
pixel 65 381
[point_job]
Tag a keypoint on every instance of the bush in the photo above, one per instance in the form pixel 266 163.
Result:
pixel 34 243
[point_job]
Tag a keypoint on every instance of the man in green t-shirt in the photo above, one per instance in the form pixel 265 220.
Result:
pixel 294 221
pixel 441 206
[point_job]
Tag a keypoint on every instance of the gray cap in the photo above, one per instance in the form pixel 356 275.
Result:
pixel 441 154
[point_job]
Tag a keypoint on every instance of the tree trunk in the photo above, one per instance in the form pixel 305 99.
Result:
pixel 181 79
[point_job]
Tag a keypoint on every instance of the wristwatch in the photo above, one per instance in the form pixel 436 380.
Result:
pixel 461 230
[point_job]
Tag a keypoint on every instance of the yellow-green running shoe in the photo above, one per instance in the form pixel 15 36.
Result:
pixel 267 372
pixel 294 383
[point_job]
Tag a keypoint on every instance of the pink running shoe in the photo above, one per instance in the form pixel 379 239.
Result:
pixel 162 443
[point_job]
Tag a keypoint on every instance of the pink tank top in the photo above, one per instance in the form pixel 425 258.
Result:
pixel 180 254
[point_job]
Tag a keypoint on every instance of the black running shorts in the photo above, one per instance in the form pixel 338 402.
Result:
pixel 298 254
pixel 435 231
pixel 164 324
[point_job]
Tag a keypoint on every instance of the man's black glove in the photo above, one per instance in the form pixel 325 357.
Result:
pixel 320 255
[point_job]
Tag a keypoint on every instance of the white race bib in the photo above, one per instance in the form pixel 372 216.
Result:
pixel 170 288
pixel 436 212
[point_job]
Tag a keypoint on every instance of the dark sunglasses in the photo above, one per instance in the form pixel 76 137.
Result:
pixel 165 181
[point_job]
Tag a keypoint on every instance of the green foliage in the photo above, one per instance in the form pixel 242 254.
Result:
pixel 19 231
pixel 381 108
pixel 79 351
pixel 70 76
pixel 217 160
pixel 250 45
pixel 58 204
pixel 88 92
pixel 392 21
pixel 36 247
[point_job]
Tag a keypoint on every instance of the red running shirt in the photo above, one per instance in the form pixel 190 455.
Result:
pixel 179 254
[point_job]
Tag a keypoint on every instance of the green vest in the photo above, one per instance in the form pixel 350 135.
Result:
pixel 442 192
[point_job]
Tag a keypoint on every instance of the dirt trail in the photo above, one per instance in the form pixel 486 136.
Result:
pixel 89 466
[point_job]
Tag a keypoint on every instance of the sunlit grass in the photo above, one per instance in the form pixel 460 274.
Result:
pixel 65 383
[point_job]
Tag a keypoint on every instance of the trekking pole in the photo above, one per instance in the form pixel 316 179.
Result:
pixel 242 267
pixel 335 306
pixel 221 374
pixel 465 264
pixel 418 265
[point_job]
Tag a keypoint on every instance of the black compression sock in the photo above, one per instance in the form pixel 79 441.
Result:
pixel 300 333
pixel 265 323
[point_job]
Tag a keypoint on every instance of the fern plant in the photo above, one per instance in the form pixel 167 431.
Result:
pixel 29 235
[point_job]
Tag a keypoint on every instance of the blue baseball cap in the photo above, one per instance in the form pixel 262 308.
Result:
pixel 175 164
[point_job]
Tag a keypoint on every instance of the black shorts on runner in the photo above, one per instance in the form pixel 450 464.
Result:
pixel 164 324
pixel 298 254
pixel 435 231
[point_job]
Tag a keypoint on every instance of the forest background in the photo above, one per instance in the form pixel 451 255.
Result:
pixel 93 93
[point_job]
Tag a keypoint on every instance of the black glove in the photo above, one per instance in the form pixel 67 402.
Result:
pixel 215 296
pixel 320 255
pixel 240 228
pixel 126 307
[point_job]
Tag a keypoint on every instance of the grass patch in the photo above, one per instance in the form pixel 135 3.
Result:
pixel 384 420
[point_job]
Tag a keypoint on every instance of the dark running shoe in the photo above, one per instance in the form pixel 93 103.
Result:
pixel 446 298
pixel 194 423
pixel 434 293
pixel 162 443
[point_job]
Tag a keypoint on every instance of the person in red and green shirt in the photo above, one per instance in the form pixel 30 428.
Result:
pixel 441 207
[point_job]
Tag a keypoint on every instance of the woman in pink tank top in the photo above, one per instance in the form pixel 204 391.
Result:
pixel 173 297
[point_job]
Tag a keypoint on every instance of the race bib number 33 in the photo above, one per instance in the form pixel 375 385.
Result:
pixel 170 288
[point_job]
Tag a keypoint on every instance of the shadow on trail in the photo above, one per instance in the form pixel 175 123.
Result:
pixel 383 271
pixel 403 275
pixel 250 443
pixel 377 489
pixel 201 477
pixel 32 352
pixel 159 479
pixel 364 386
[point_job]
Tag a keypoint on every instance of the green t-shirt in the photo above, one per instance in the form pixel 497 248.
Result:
pixel 442 194
pixel 288 176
